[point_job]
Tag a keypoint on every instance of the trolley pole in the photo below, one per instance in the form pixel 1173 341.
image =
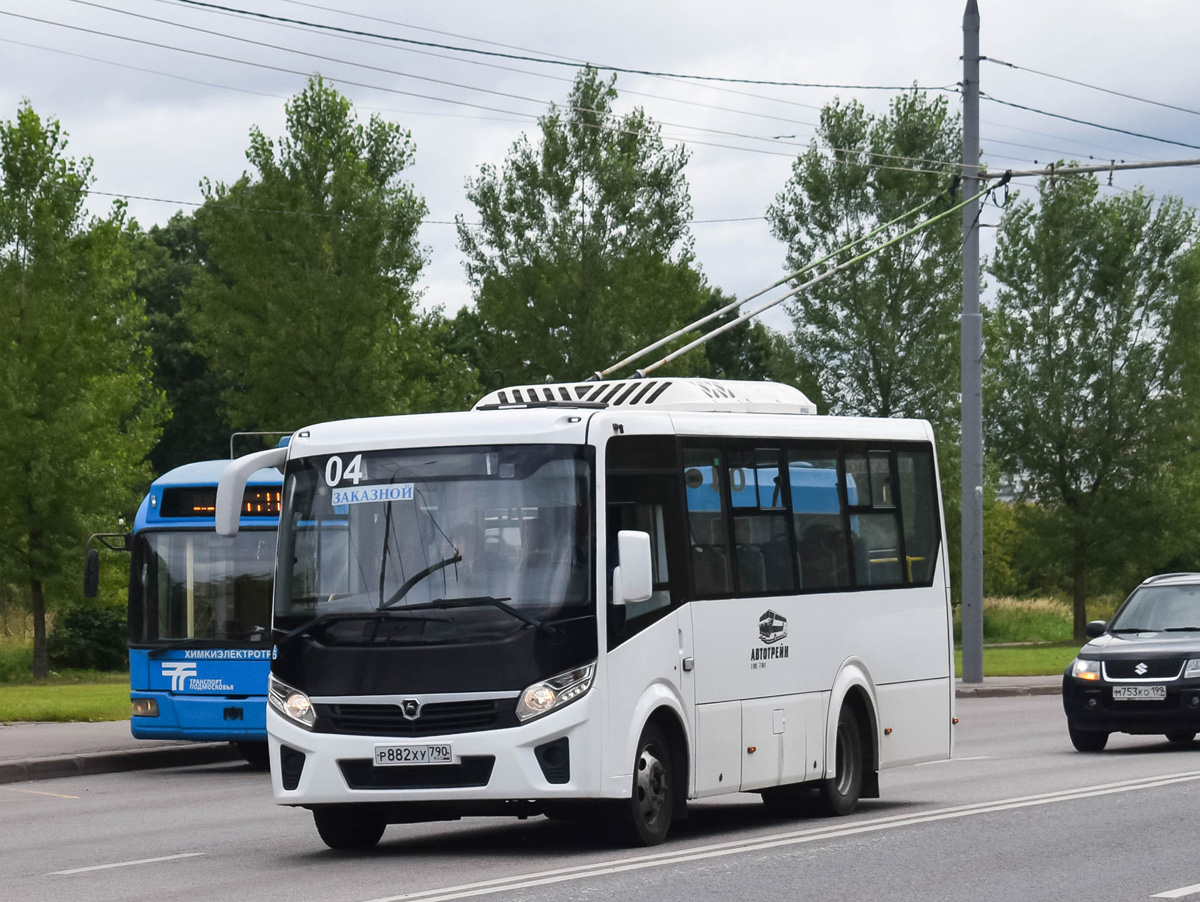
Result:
pixel 972 366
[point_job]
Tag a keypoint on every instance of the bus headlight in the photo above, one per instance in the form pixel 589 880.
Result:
pixel 291 703
pixel 555 692
pixel 1086 670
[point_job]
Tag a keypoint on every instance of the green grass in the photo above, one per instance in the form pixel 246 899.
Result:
pixel 1024 660
pixel 82 695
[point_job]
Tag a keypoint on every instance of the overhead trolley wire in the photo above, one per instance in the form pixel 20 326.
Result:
pixel 1109 128
pixel 561 62
pixel 1084 84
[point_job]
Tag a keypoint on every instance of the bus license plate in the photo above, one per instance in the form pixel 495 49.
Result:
pixel 1139 693
pixel 399 755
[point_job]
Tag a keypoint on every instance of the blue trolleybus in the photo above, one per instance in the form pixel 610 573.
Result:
pixel 200 610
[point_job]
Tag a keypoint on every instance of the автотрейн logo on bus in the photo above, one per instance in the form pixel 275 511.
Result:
pixel 772 630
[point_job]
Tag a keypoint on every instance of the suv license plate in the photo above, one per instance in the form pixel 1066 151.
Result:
pixel 1139 693
pixel 400 755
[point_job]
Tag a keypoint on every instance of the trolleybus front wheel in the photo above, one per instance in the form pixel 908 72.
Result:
pixel 348 826
pixel 645 818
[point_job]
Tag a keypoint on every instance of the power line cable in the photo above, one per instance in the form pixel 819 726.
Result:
pixel 1084 84
pixel 1109 128
pixel 558 62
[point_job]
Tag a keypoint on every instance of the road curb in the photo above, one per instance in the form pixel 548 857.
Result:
pixel 1004 691
pixel 114 762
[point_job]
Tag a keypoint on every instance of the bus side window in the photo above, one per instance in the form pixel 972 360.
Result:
pixel 817 522
pixel 918 501
pixel 874 520
pixel 706 522
pixel 761 538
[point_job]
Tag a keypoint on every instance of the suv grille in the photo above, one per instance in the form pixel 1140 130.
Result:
pixel 1154 669
pixel 436 718
pixel 361 773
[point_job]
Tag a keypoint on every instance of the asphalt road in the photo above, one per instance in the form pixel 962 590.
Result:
pixel 1017 815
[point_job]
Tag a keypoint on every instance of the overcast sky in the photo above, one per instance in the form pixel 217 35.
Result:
pixel 154 135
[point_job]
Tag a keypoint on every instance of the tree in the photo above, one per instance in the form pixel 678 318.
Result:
pixel 881 337
pixel 304 303
pixel 1092 374
pixel 583 253
pixel 75 395
pixel 165 261
pixel 743 352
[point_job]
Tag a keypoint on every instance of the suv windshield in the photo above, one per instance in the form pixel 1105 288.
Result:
pixel 389 530
pixel 1160 608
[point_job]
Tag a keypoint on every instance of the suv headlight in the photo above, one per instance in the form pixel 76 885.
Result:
pixel 291 703
pixel 555 692
pixel 1085 670
pixel 1192 669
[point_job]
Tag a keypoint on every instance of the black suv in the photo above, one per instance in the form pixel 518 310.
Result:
pixel 1141 673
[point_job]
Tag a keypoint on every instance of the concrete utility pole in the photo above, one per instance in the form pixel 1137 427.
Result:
pixel 972 366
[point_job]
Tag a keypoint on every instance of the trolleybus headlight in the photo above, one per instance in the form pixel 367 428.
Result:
pixel 291 703
pixel 144 707
pixel 555 692
pixel 1192 669
pixel 1085 670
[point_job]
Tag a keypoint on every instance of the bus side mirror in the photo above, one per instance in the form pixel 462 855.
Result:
pixel 91 573
pixel 633 577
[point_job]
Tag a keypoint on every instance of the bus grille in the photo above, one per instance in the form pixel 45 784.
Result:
pixel 361 773
pixel 436 718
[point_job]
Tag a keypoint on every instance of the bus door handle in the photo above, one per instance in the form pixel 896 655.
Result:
pixel 689 665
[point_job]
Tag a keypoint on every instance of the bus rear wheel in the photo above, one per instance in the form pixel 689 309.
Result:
pixel 645 818
pixel 348 826
pixel 839 795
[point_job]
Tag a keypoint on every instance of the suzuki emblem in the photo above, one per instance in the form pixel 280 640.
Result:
pixel 1141 669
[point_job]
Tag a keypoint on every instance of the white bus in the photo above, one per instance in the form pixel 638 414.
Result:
pixel 603 599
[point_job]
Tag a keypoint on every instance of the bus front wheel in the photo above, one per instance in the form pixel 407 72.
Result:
pixel 645 818
pixel 348 826
pixel 839 794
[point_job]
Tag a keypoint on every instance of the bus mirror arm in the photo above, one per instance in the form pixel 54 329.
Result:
pixel 633 578
pixel 232 485
pixel 91 564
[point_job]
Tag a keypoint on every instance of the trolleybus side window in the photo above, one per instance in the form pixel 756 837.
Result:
pixel 822 545
pixel 762 539
pixel 876 541
pixel 918 501
pixel 642 488
pixel 707 533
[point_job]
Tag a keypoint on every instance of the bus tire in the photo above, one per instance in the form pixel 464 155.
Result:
pixel 838 795
pixel 348 826
pixel 257 754
pixel 645 818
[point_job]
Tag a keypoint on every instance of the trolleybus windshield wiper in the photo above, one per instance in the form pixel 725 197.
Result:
pixel 333 616
pixel 416 578
pixel 499 603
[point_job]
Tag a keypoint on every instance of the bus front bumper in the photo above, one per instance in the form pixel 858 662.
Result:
pixel 556 756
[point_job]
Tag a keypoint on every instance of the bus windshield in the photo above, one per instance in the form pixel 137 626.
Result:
pixel 392 530
pixel 198 585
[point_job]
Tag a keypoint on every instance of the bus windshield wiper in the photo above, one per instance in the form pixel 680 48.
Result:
pixel 416 578
pixel 498 603
pixel 333 616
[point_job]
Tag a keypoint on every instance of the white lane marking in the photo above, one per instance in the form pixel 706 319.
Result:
pixel 717 850
pixel 34 792
pixel 952 760
pixel 125 864
pixel 1178 893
